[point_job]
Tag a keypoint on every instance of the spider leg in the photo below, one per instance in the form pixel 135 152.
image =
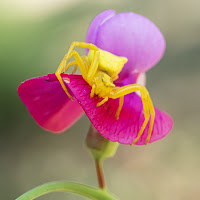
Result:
pixel 146 118
pixel 69 65
pixel 121 102
pixel 93 66
pixel 80 44
pixel 86 62
pixel 84 58
pixel 102 102
pixel 83 68
pixel 152 111
pixel 115 78
pixel 92 90
pixel 79 61
pixel 75 69
pixel 147 106
pixel 63 85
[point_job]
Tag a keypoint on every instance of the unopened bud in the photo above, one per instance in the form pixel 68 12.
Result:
pixel 99 146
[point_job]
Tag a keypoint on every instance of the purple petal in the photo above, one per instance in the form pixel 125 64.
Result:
pixel 48 104
pixel 125 129
pixel 94 26
pixel 130 35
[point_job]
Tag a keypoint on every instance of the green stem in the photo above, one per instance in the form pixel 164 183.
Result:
pixel 86 191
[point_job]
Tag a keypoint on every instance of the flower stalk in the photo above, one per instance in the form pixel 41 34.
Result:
pixel 100 174
pixel 100 149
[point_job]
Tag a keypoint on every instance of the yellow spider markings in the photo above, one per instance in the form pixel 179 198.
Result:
pixel 99 69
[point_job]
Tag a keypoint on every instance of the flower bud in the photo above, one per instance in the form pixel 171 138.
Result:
pixel 100 147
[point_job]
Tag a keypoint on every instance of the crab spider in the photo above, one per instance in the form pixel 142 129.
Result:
pixel 99 69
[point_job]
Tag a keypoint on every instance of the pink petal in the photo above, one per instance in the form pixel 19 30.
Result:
pixel 125 129
pixel 130 35
pixel 48 104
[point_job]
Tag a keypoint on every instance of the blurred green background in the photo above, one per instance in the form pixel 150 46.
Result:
pixel 34 36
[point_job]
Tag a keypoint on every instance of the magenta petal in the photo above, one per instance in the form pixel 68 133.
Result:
pixel 48 104
pixel 130 35
pixel 125 129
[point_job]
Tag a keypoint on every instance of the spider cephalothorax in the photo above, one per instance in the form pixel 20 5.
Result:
pixel 102 84
pixel 99 69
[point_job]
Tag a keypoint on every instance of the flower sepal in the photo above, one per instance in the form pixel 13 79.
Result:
pixel 98 146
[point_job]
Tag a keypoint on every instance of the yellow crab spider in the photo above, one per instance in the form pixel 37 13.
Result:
pixel 99 69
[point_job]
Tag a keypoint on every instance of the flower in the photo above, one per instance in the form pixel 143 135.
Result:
pixel 124 34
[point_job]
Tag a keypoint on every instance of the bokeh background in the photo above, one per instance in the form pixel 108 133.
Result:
pixel 34 36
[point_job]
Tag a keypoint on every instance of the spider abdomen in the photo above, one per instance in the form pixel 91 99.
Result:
pixel 108 62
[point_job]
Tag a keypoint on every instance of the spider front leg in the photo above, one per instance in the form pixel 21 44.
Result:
pixel 147 106
pixel 85 60
pixel 92 70
pixel 83 68
pixel 81 64
pixel 69 65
